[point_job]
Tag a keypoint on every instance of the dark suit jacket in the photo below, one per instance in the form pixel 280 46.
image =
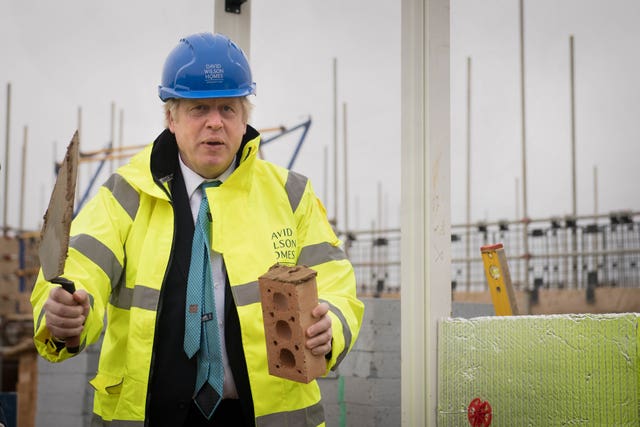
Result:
pixel 172 375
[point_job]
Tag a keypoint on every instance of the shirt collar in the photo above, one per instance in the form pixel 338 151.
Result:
pixel 192 180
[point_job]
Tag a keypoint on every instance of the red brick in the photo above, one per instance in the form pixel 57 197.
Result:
pixel 288 295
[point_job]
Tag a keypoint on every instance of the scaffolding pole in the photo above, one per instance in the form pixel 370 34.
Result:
pixel 5 222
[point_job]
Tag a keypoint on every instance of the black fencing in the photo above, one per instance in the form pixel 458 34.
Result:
pixel 567 253
pixel 375 256
pixel 558 253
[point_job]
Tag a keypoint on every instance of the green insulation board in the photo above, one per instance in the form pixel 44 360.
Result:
pixel 558 370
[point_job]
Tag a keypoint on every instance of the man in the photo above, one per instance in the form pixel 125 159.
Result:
pixel 136 249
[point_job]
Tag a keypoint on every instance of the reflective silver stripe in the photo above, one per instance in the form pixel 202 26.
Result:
pixel 346 332
pixel 145 298
pixel 40 317
pixel 320 253
pixel 295 186
pixel 140 297
pixel 117 289
pixel 311 416
pixel 97 421
pixel 121 297
pixel 100 254
pixel 246 294
pixel 124 193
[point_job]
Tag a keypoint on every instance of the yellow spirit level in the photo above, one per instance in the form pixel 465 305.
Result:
pixel 496 270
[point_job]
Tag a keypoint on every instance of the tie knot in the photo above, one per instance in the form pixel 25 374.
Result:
pixel 208 184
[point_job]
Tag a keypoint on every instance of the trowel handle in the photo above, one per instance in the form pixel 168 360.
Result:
pixel 66 284
pixel 73 345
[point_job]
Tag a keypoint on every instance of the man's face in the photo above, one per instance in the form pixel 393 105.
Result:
pixel 209 132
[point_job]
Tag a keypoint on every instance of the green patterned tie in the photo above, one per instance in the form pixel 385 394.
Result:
pixel 202 335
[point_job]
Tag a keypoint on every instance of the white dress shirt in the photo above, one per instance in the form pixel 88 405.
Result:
pixel 192 181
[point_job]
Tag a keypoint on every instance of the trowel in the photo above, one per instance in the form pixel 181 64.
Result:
pixel 54 237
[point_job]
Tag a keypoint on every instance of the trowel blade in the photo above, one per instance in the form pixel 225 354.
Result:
pixel 54 238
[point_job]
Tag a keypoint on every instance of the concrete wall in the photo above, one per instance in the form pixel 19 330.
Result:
pixel 365 391
pixel 65 398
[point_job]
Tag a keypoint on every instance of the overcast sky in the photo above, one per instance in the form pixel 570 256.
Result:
pixel 607 105
pixel 60 56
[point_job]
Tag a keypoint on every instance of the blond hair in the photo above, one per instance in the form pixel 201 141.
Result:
pixel 171 105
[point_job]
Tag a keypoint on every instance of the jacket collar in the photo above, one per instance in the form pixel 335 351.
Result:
pixel 164 154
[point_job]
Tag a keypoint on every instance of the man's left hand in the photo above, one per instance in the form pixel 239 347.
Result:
pixel 319 335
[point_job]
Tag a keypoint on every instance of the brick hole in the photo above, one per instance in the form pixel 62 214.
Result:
pixel 287 358
pixel 280 301
pixel 283 330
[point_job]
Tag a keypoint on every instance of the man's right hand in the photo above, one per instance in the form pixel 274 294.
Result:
pixel 66 314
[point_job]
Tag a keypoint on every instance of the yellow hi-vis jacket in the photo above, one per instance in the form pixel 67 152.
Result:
pixel 120 250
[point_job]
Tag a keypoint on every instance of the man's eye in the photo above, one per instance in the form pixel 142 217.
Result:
pixel 198 110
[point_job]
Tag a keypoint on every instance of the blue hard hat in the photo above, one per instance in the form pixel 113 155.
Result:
pixel 206 65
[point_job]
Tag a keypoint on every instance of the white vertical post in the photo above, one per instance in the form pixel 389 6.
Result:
pixel 23 175
pixel 596 260
pixel 121 134
pixel 325 182
pixel 112 137
pixel 517 199
pixel 574 186
pixel 335 141
pixel 380 219
pixel 80 144
pixel 468 230
pixel 523 111
pixel 595 193
pixel 426 216
pixel 574 208
pixel 345 169
pixel 516 262
pixel 5 221
pixel 236 26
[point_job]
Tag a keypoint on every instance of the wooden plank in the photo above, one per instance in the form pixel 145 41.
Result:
pixel 27 389
pixel 564 301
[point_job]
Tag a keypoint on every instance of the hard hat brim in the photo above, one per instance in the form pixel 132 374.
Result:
pixel 166 93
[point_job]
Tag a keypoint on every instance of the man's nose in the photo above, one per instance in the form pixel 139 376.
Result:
pixel 214 119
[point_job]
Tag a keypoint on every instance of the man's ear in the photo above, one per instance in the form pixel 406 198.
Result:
pixel 170 121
